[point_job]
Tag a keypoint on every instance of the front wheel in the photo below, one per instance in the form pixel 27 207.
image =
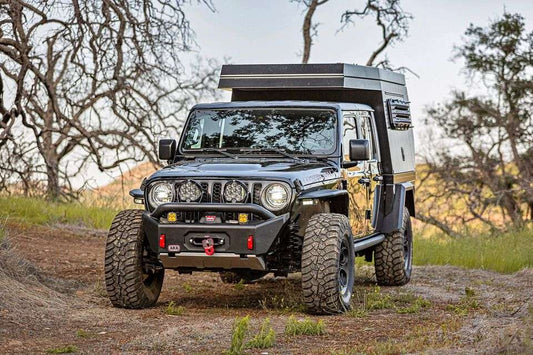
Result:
pixel 393 258
pixel 328 264
pixel 129 283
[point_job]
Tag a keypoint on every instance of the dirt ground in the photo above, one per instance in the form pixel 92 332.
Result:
pixel 52 297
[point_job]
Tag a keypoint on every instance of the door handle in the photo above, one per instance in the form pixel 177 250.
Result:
pixel 364 181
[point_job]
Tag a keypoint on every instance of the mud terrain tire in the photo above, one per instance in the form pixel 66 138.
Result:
pixel 127 284
pixel 328 264
pixel 393 257
pixel 247 276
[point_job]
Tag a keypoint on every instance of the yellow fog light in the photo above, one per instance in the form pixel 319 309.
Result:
pixel 172 217
pixel 243 217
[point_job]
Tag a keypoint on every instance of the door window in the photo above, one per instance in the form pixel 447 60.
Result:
pixel 349 133
pixel 366 132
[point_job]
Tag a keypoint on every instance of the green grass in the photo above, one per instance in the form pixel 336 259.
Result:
pixel 173 310
pixel 63 350
pixel 39 211
pixel 505 253
pixel 265 338
pixel 304 327
pixel 240 329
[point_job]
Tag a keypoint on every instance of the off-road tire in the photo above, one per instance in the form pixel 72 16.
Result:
pixel 127 284
pixel 393 257
pixel 247 276
pixel 328 264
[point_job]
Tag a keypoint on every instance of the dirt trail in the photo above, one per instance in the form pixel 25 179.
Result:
pixel 58 300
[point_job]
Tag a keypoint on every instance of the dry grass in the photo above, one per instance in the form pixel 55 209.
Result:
pixel 24 291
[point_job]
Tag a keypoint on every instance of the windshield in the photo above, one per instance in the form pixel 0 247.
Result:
pixel 297 131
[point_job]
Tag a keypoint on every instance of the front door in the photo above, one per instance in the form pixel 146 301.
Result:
pixel 359 178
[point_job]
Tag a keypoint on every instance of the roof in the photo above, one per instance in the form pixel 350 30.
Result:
pixel 345 106
pixel 306 76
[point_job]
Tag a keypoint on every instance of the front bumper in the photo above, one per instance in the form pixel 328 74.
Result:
pixel 232 247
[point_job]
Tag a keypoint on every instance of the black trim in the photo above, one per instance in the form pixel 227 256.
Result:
pixel 137 193
pixel 213 207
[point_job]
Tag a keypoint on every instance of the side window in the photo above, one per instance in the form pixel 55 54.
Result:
pixel 366 132
pixel 349 132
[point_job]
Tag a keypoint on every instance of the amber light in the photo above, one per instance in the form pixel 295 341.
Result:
pixel 243 218
pixel 172 217
pixel 162 241
pixel 250 242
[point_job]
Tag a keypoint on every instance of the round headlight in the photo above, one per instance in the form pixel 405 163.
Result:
pixel 161 192
pixel 234 191
pixel 275 197
pixel 189 191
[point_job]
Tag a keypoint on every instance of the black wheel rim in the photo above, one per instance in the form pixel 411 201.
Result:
pixel 346 270
pixel 407 250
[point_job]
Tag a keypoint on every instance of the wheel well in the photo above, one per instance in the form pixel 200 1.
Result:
pixel 339 204
pixel 410 201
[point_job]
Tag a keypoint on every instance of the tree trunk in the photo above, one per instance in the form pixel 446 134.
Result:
pixel 52 178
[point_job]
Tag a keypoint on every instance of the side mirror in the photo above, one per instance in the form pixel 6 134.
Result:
pixel 167 149
pixel 359 150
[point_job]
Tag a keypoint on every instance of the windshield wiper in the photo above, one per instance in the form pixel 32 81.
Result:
pixel 214 150
pixel 271 150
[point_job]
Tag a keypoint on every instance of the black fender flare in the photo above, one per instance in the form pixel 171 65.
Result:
pixel 389 201
pixel 338 199
pixel 301 212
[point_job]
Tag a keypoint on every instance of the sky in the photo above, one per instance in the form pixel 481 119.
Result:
pixel 253 31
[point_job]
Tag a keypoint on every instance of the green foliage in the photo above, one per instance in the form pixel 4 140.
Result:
pixel 467 303
pixel 173 310
pixel 304 327
pixel 415 307
pixel 265 338
pixel 63 350
pixel 377 300
pixel 365 301
pixel 357 312
pixel 39 211
pixel 506 253
pixel 187 287
pixel 239 286
pixel 80 333
pixel 240 329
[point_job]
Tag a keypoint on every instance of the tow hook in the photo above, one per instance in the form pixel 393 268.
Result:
pixel 209 246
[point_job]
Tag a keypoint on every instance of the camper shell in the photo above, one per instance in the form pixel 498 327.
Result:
pixel 354 200
pixel 382 90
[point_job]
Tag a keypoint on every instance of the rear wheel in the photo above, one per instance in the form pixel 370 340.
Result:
pixel 247 276
pixel 328 264
pixel 393 257
pixel 129 283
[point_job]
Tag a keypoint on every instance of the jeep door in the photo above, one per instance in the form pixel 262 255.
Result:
pixel 359 177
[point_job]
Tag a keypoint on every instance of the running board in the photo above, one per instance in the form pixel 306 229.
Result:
pixel 367 242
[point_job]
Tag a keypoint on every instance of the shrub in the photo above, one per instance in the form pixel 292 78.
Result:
pixel 239 331
pixel 173 310
pixel 305 327
pixel 265 338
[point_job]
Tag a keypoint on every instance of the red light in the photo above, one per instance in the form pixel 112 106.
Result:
pixel 162 241
pixel 250 242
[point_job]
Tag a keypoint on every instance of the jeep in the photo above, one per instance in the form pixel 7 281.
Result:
pixel 306 168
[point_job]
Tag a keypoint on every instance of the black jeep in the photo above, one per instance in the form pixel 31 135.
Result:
pixel 306 168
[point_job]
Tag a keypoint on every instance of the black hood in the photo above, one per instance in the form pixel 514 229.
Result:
pixel 307 172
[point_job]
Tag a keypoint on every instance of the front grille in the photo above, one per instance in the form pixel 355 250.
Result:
pixel 217 192
pixel 256 198
pixel 205 192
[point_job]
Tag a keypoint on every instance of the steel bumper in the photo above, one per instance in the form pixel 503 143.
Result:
pixel 181 239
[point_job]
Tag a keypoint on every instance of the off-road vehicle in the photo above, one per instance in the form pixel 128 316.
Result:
pixel 306 168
